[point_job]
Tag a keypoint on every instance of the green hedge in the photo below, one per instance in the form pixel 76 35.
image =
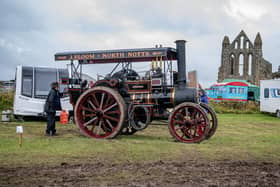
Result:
pixel 235 107
pixel 6 100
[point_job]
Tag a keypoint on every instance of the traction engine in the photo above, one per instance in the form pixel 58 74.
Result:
pixel 123 102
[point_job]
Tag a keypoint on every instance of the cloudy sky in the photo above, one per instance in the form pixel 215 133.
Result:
pixel 31 31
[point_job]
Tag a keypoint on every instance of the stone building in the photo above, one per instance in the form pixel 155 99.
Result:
pixel 242 59
pixel 276 75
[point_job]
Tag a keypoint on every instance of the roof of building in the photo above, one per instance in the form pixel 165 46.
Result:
pixel 235 82
pixel 239 80
pixel 230 84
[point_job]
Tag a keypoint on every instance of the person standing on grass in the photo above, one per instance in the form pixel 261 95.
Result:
pixel 52 105
pixel 203 96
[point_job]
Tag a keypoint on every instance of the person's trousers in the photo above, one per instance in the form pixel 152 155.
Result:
pixel 51 123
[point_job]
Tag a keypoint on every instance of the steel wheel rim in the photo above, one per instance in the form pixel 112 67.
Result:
pixel 213 121
pixel 189 124
pixel 99 114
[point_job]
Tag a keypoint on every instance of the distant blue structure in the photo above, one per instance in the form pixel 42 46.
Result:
pixel 231 91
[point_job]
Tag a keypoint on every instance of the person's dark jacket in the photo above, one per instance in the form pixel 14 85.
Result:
pixel 53 101
pixel 204 98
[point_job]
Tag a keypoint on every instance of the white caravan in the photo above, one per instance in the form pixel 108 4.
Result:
pixel 270 96
pixel 32 88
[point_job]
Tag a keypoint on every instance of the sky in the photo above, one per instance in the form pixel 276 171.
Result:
pixel 32 31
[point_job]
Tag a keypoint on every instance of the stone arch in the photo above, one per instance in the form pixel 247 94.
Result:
pixel 241 64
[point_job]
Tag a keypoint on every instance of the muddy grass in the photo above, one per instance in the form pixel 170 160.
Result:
pixel 160 173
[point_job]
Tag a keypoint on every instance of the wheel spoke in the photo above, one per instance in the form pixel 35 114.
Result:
pixel 187 133
pixel 110 107
pixel 95 100
pixel 201 119
pixel 183 134
pixel 187 112
pixel 93 125
pixel 99 128
pixel 179 128
pixel 109 123
pixel 180 122
pixel 110 118
pixel 91 104
pixel 105 129
pixel 195 131
pixel 89 115
pixel 193 114
pixel 90 121
pixel 113 112
pixel 182 116
pixel 87 109
pixel 108 101
pixel 202 124
pixel 102 99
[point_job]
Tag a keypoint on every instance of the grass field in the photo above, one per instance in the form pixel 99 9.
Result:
pixel 239 137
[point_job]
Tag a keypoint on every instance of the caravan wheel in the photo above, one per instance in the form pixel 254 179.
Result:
pixel 278 113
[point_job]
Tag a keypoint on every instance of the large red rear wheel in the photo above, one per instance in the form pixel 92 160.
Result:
pixel 188 123
pixel 100 112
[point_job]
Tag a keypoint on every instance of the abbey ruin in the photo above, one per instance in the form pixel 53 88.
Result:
pixel 242 59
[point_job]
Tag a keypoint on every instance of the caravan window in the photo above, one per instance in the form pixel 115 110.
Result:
pixel 266 93
pixel 232 90
pixel 275 92
pixel 43 79
pixel 27 83
pixel 241 90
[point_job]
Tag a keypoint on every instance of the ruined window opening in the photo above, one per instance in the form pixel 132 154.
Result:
pixel 236 45
pixel 250 62
pixel 231 64
pixel 241 42
pixel 241 63
pixel 247 45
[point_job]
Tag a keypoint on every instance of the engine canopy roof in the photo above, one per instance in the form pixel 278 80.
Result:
pixel 120 55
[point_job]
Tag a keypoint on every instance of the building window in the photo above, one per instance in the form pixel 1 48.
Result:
pixel 236 45
pixel 241 90
pixel 266 93
pixel 250 62
pixel 27 81
pixel 43 79
pixel 241 64
pixel 275 92
pixel 247 44
pixel 241 42
pixel 231 64
pixel 63 74
pixel 232 90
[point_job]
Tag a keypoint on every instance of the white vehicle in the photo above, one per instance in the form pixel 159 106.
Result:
pixel 32 88
pixel 270 96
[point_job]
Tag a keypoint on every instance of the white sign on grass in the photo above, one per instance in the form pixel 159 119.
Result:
pixel 19 129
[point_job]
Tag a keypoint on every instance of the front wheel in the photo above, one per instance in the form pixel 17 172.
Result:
pixel 188 123
pixel 100 113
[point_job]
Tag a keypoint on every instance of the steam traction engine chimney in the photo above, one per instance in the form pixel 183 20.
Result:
pixel 181 62
pixel 183 93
